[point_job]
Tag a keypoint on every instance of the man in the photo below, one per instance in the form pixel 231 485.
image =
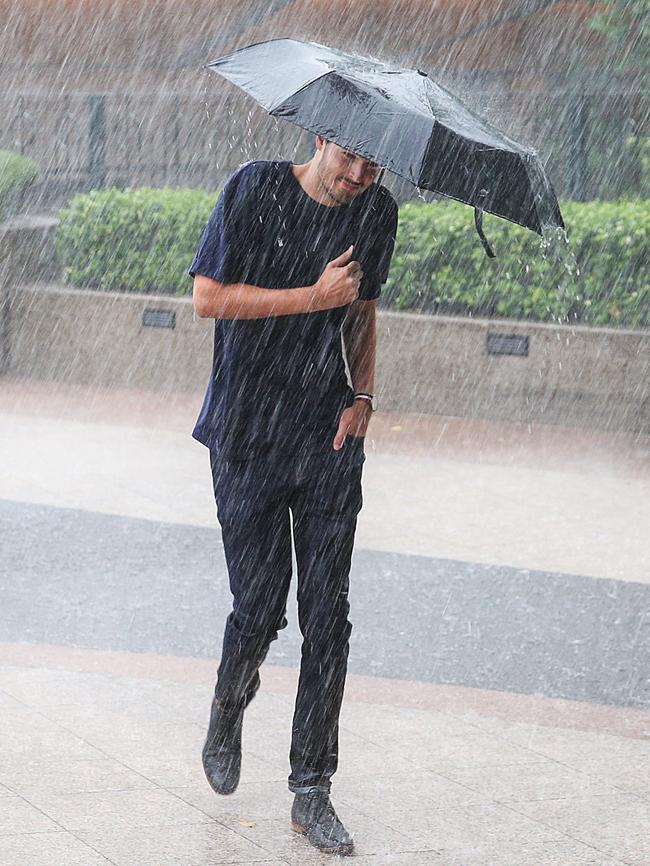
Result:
pixel 291 261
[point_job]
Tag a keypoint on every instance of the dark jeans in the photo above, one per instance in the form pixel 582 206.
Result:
pixel 254 501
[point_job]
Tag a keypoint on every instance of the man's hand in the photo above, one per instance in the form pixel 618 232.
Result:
pixel 353 422
pixel 338 285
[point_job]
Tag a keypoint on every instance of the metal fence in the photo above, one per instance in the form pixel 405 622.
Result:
pixel 89 141
pixel 593 145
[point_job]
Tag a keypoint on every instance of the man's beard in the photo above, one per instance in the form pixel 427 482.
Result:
pixel 330 192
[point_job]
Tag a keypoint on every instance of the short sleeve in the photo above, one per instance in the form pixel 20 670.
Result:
pixel 381 251
pixel 221 254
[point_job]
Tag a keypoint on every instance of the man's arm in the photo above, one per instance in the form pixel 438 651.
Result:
pixel 360 339
pixel 337 286
pixel 216 300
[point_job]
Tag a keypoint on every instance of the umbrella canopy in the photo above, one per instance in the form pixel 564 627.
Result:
pixel 400 119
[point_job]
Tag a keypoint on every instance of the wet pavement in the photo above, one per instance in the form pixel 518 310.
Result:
pixel 140 585
pixel 497 705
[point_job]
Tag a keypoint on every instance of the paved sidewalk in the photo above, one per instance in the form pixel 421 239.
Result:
pixel 539 498
pixel 100 749
pixel 100 764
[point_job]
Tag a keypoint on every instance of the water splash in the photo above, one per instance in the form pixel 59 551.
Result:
pixel 564 270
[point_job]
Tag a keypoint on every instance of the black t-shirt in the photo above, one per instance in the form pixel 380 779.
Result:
pixel 280 383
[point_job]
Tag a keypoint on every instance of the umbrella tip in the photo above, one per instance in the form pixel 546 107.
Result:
pixel 423 74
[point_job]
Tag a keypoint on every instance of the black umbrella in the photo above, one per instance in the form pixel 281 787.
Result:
pixel 401 120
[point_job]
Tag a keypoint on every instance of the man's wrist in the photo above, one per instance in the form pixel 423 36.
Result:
pixel 365 397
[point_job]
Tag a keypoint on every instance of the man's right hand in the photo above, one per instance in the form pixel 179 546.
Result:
pixel 338 285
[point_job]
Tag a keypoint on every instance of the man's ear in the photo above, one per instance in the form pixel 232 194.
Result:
pixel 320 142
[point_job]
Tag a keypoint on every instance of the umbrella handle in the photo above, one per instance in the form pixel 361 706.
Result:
pixel 478 222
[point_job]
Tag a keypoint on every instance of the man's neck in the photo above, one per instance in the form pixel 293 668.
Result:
pixel 307 176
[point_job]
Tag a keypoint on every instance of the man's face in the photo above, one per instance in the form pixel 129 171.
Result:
pixel 342 174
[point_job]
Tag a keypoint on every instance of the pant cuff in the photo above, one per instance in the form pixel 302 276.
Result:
pixel 307 789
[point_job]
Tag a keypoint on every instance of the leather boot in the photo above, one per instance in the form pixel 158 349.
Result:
pixel 222 749
pixel 313 815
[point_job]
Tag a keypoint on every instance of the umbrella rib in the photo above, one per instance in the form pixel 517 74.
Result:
pixel 300 90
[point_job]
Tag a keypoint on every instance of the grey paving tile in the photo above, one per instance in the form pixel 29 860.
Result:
pixel 47 849
pixel 562 743
pixel 385 725
pixel 255 770
pixel 358 757
pixel 470 750
pixel 389 798
pixel 399 812
pixel 616 825
pixel 73 777
pixel 165 771
pixel 267 736
pixel 118 809
pixel 166 753
pixel 406 858
pixel 115 730
pixel 169 771
pixel 191 703
pixel 556 853
pixel 625 773
pixel 473 832
pixel 34 736
pixel 540 781
pixel 619 761
pixel 270 707
pixel 7 701
pixel 276 838
pixel 562 851
pixel 261 801
pixel 19 816
pixel 261 813
pixel 124 714
pixel 12 711
pixel 274 753
pixel 174 845
pixel 371 837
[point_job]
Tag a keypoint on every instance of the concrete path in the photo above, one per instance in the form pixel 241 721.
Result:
pixel 503 719
pixel 543 498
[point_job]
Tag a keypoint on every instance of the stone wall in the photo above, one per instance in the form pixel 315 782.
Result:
pixel 27 253
pixel 580 377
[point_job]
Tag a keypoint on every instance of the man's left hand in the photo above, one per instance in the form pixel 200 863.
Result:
pixel 353 422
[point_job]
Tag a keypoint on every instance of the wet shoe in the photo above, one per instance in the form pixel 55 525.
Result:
pixel 222 749
pixel 313 815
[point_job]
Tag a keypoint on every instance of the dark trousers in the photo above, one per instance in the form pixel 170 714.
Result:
pixel 255 499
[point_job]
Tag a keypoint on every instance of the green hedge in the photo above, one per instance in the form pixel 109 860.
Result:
pixel 133 240
pixel 143 240
pixel 16 174
pixel 602 277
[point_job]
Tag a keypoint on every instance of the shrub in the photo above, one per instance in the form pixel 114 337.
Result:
pixel 17 173
pixel 132 240
pixel 602 277
pixel 143 240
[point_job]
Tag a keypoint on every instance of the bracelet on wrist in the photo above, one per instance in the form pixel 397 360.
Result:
pixel 367 398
